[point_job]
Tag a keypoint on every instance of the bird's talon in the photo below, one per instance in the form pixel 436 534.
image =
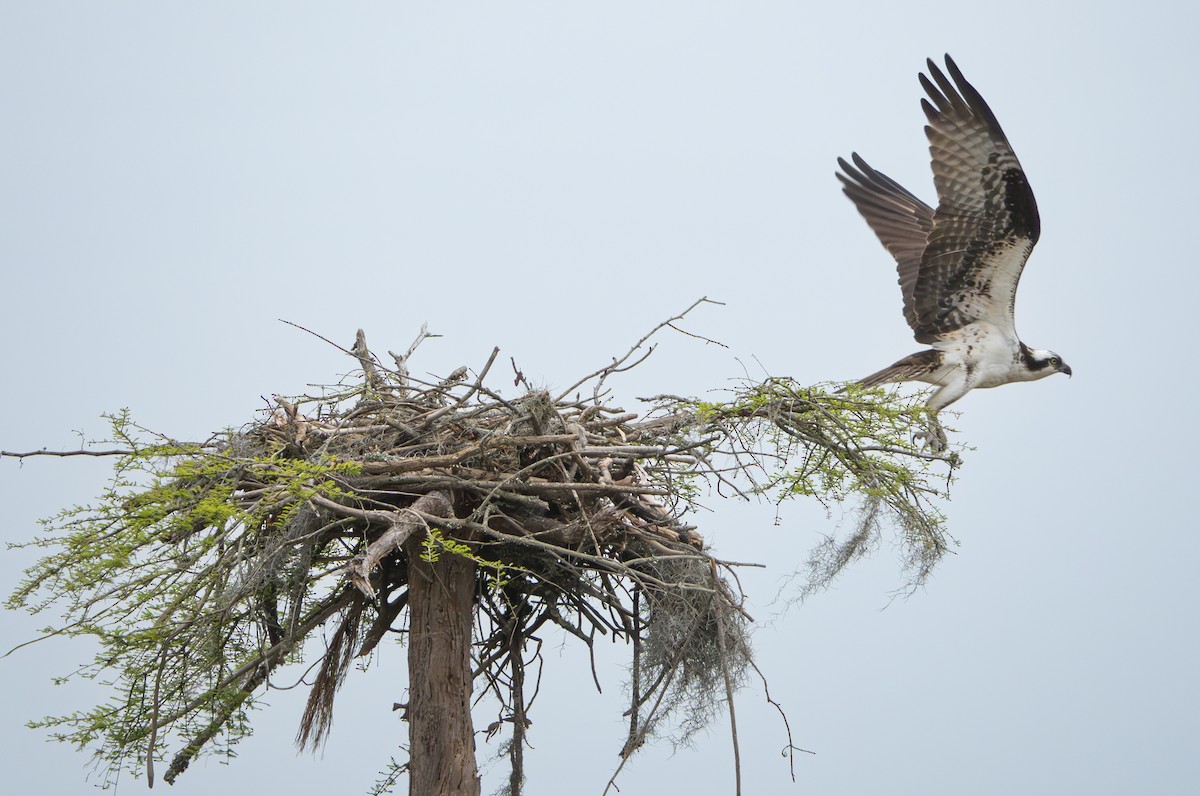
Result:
pixel 933 438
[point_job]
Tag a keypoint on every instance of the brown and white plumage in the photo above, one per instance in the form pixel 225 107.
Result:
pixel 958 265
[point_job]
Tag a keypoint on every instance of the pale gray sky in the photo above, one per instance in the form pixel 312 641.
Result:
pixel 555 179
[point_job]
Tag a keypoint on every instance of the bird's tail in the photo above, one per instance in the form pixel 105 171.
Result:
pixel 886 376
pixel 911 367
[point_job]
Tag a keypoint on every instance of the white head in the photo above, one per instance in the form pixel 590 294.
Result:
pixel 1040 363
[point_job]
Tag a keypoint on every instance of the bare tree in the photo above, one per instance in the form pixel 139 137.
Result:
pixel 465 521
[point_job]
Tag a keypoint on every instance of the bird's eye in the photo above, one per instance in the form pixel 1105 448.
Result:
pixel 1054 362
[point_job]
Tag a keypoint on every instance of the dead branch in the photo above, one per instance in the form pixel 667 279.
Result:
pixel 405 523
pixel 81 452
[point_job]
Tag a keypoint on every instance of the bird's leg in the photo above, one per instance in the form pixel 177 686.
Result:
pixel 934 436
pixel 957 383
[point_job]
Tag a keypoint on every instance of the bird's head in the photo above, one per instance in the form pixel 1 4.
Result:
pixel 1042 363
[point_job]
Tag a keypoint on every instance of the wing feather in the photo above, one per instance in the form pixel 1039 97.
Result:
pixel 900 220
pixel 986 222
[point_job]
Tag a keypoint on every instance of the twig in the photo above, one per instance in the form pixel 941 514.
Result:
pixel 402 359
pixel 618 362
pixel 318 336
pixel 724 653
pixel 791 748
pixel 44 452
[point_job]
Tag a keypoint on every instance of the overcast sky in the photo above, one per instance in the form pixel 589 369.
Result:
pixel 556 178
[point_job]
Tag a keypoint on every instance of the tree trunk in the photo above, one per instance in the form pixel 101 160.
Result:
pixel 441 735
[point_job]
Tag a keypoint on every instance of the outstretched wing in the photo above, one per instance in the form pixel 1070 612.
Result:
pixel 986 221
pixel 901 220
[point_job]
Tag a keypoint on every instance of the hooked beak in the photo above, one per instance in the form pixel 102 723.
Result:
pixel 1065 368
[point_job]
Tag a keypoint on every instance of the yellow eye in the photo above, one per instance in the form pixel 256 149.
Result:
pixel 1054 361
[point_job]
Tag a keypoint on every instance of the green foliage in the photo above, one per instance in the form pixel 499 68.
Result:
pixel 435 543
pixel 784 440
pixel 185 582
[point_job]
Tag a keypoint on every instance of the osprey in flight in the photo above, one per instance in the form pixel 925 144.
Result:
pixel 959 265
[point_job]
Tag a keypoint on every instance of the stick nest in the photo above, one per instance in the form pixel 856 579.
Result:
pixel 571 509
pixel 206 566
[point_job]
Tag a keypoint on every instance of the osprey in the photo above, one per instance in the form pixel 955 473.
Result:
pixel 959 265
